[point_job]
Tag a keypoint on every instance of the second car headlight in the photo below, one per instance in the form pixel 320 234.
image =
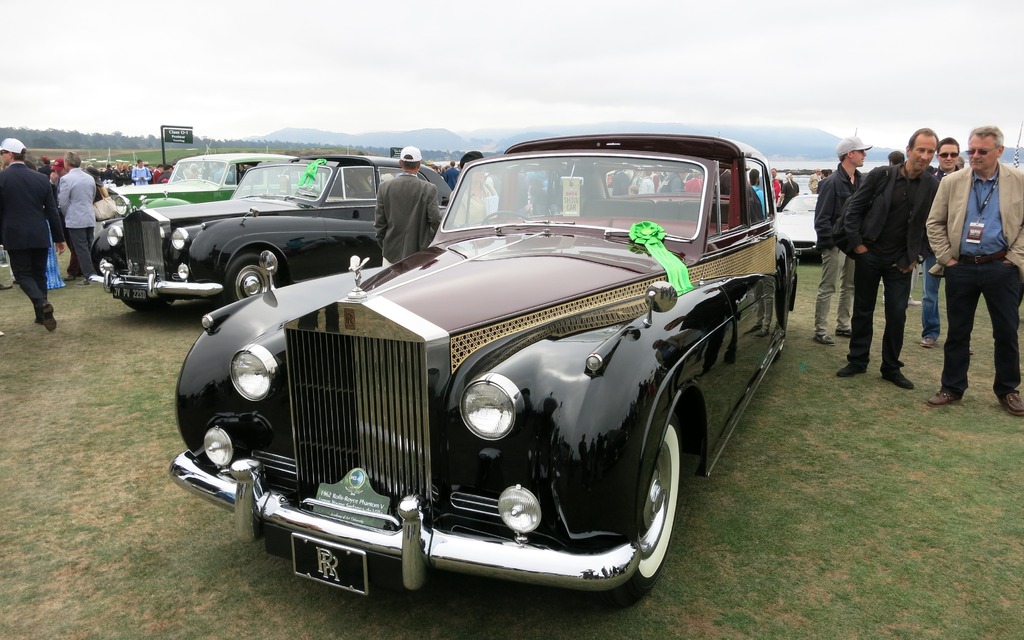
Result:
pixel 179 238
pixel 489 406
pixel 252 372
pixel 114 235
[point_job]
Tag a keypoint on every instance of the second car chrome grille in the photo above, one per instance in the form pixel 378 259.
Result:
pixel 142 244
pixel 359 402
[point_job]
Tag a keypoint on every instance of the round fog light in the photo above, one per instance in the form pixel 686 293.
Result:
pixel 218 446
pixel 183 271
pixel 519 509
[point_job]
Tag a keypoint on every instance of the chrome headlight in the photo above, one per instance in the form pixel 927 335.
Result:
pixel 114 234
pixel 489 406
pixel 183 271
pixel 252 372
pixel 122 204
pixel 519 509
pixel 218 446
pixel 179 238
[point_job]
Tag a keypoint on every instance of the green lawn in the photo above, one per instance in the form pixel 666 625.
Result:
pixel 842 508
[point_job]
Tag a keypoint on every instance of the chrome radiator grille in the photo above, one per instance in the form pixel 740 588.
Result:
pixel 359 402
pixel 142 244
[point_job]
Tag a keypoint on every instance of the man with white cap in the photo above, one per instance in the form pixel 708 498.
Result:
pixel 407 215
pixel 27 206
pixel 836 267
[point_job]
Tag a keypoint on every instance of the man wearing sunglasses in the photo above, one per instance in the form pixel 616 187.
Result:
pixel 975 231
pixel 949 152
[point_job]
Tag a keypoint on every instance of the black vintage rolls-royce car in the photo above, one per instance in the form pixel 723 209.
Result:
pixel 313 214
pixel 514 401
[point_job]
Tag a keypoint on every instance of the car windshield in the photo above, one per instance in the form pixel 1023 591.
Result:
pixel 604 191
pixel 205 170
pixel 284 180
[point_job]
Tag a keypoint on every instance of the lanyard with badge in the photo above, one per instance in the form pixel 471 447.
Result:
pixel 975 229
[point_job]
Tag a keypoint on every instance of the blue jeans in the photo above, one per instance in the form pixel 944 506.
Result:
pixel 930 302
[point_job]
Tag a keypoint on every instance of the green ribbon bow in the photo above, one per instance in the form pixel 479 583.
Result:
pixel 650 236
pixel 309 177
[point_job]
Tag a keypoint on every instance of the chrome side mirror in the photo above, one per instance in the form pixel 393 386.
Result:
pixel 268 262
pixel 661 297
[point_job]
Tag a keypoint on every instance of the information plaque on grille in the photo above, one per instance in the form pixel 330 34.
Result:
pixel 353 493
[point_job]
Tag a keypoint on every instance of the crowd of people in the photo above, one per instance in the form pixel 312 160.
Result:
pixel 962 226
pixel 44 211
pixel 120 173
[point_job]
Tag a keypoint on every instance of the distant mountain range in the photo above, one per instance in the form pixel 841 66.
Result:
pixel 777 143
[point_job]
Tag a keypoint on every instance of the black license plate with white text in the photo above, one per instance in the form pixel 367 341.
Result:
pixel 329 563
pixel 126 293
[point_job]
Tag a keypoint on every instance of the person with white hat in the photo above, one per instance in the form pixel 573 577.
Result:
pixel 27 206
pixel 407 215
pixel 836 267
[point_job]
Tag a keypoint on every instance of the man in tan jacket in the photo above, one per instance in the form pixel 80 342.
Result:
pixel 974 228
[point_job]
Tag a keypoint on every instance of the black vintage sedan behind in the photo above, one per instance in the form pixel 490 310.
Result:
pixel 314 214
pixel 516 400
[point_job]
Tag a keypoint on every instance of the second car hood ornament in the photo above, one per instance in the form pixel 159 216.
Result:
pixel 356 266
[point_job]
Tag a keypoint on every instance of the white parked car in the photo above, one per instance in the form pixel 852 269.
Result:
pixel 797 222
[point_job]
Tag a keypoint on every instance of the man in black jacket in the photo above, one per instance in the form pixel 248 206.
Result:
pixel 885 225
pixel 27 208
pixel 836 268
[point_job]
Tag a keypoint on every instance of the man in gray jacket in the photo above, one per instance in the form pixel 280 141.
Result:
pixel 407 215
pixel 76 193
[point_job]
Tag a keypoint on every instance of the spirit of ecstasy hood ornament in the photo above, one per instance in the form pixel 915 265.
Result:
pixel 356 267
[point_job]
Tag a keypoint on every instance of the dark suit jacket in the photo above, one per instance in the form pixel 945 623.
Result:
pixel 26 205
pixel 867 209
pixel 407 216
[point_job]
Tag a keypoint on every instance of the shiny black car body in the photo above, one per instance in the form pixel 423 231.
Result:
pixel 521 393
pixel 154 256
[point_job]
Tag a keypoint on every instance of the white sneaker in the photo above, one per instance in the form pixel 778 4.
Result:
pixel 914 303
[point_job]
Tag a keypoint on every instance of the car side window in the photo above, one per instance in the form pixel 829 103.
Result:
pixel 759 197
pixel 353 183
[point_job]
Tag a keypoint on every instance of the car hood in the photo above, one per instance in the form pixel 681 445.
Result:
pixel 185 186
pixel 223 209
pixel 476 282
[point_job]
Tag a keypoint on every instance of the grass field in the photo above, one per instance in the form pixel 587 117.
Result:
pixel 842 508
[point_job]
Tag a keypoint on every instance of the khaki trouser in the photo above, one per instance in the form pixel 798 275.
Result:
pixel 836 270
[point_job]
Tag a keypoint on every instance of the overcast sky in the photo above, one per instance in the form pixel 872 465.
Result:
pixel 246 68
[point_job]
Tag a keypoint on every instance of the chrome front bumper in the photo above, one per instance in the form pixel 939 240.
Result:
pixel 419 548
pixel 156 288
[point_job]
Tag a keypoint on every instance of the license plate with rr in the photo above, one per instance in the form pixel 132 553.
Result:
pixel 329 563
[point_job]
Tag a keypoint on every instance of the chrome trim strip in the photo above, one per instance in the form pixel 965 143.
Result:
pixel 165 287
pixel 416 545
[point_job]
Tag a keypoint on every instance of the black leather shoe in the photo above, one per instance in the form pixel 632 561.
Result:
pixel 898 379
pixel 48 320
pixel 849 370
